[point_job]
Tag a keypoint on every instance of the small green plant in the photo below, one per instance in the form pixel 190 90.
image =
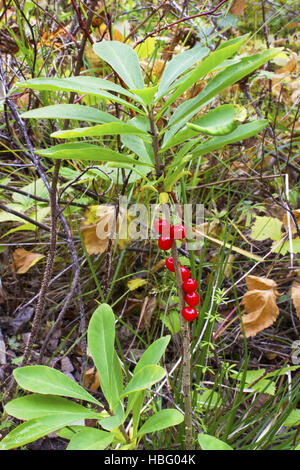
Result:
pixel 45 411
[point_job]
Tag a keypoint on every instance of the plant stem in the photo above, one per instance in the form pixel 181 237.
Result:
pixel 155 145
pixel 186 364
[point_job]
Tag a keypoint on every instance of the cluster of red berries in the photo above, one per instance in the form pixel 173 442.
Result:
pixel 168 234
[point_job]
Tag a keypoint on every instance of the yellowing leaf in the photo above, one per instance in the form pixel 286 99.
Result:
pixel 266 227
pixel 284 247
pixel 145 49
pixel 136 283
pixel 260 304
pixel 163 198
pixel 24 260
pixel 295 294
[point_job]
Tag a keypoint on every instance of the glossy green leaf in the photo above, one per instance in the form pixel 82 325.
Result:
pixel 90 439
pixel 38 427
pixel 161 420
pixel 206 66
pixel 35 405
pixel 244 131
pixel 219 83
pixel 123 60
pixel 82 85
pixel 87 152
pixel 112 128
pixel 48 381
pixel 179 65
pixel 219 121
pixel 144 378
pixel 212 443
pixel 101 339
pixel 71 111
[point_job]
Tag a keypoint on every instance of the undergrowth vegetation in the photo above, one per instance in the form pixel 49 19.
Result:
pixel 145 146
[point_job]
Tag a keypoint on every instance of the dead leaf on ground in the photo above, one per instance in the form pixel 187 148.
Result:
pixel 92 380
pixel 292 225
pixel 98 227
pixel 295 294
pixel 260 304
pixel 24 260
pixel 237 7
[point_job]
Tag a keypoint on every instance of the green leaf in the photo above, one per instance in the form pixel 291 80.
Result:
pixel 172 321
pixel 101 339
pixel 219 83
pixel 212 443
pixel 38 427
pixel 218 121
pixel 48 381
pixel 244 131
pixel 137 145
pixel 206 66
pixel 70 111
pixel 146 94
pixel 87 152
pixel 35 405
pixel 112 128
pixel 84 85
pixel 266 227
pixel 179 65
pixel 208 400
pixel 144 378
pixel 113 422
pixel 153 353
pixel 90 439
pixel 151 356
pixel 293 419
pixel 123 60
pixel 161 420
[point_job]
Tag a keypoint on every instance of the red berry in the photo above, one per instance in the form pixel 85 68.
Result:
pixel 178 232
pixel 165 243
pixel 192 299
pixel 170 264
pixel 190 285
pixel 189 313
pixel 162 227
pixel 185 273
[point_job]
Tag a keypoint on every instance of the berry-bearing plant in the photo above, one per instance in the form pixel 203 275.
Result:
pixel 154 139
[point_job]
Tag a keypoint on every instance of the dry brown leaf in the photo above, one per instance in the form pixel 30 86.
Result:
pixel 91 379
pixel 24 260
pixel 96 235
pixel 295 294
pixel 93 244
pixel 260 304
pixel 292 225
pixel 237 7
pixel 260 283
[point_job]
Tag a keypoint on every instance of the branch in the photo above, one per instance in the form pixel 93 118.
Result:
pixel 186 18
